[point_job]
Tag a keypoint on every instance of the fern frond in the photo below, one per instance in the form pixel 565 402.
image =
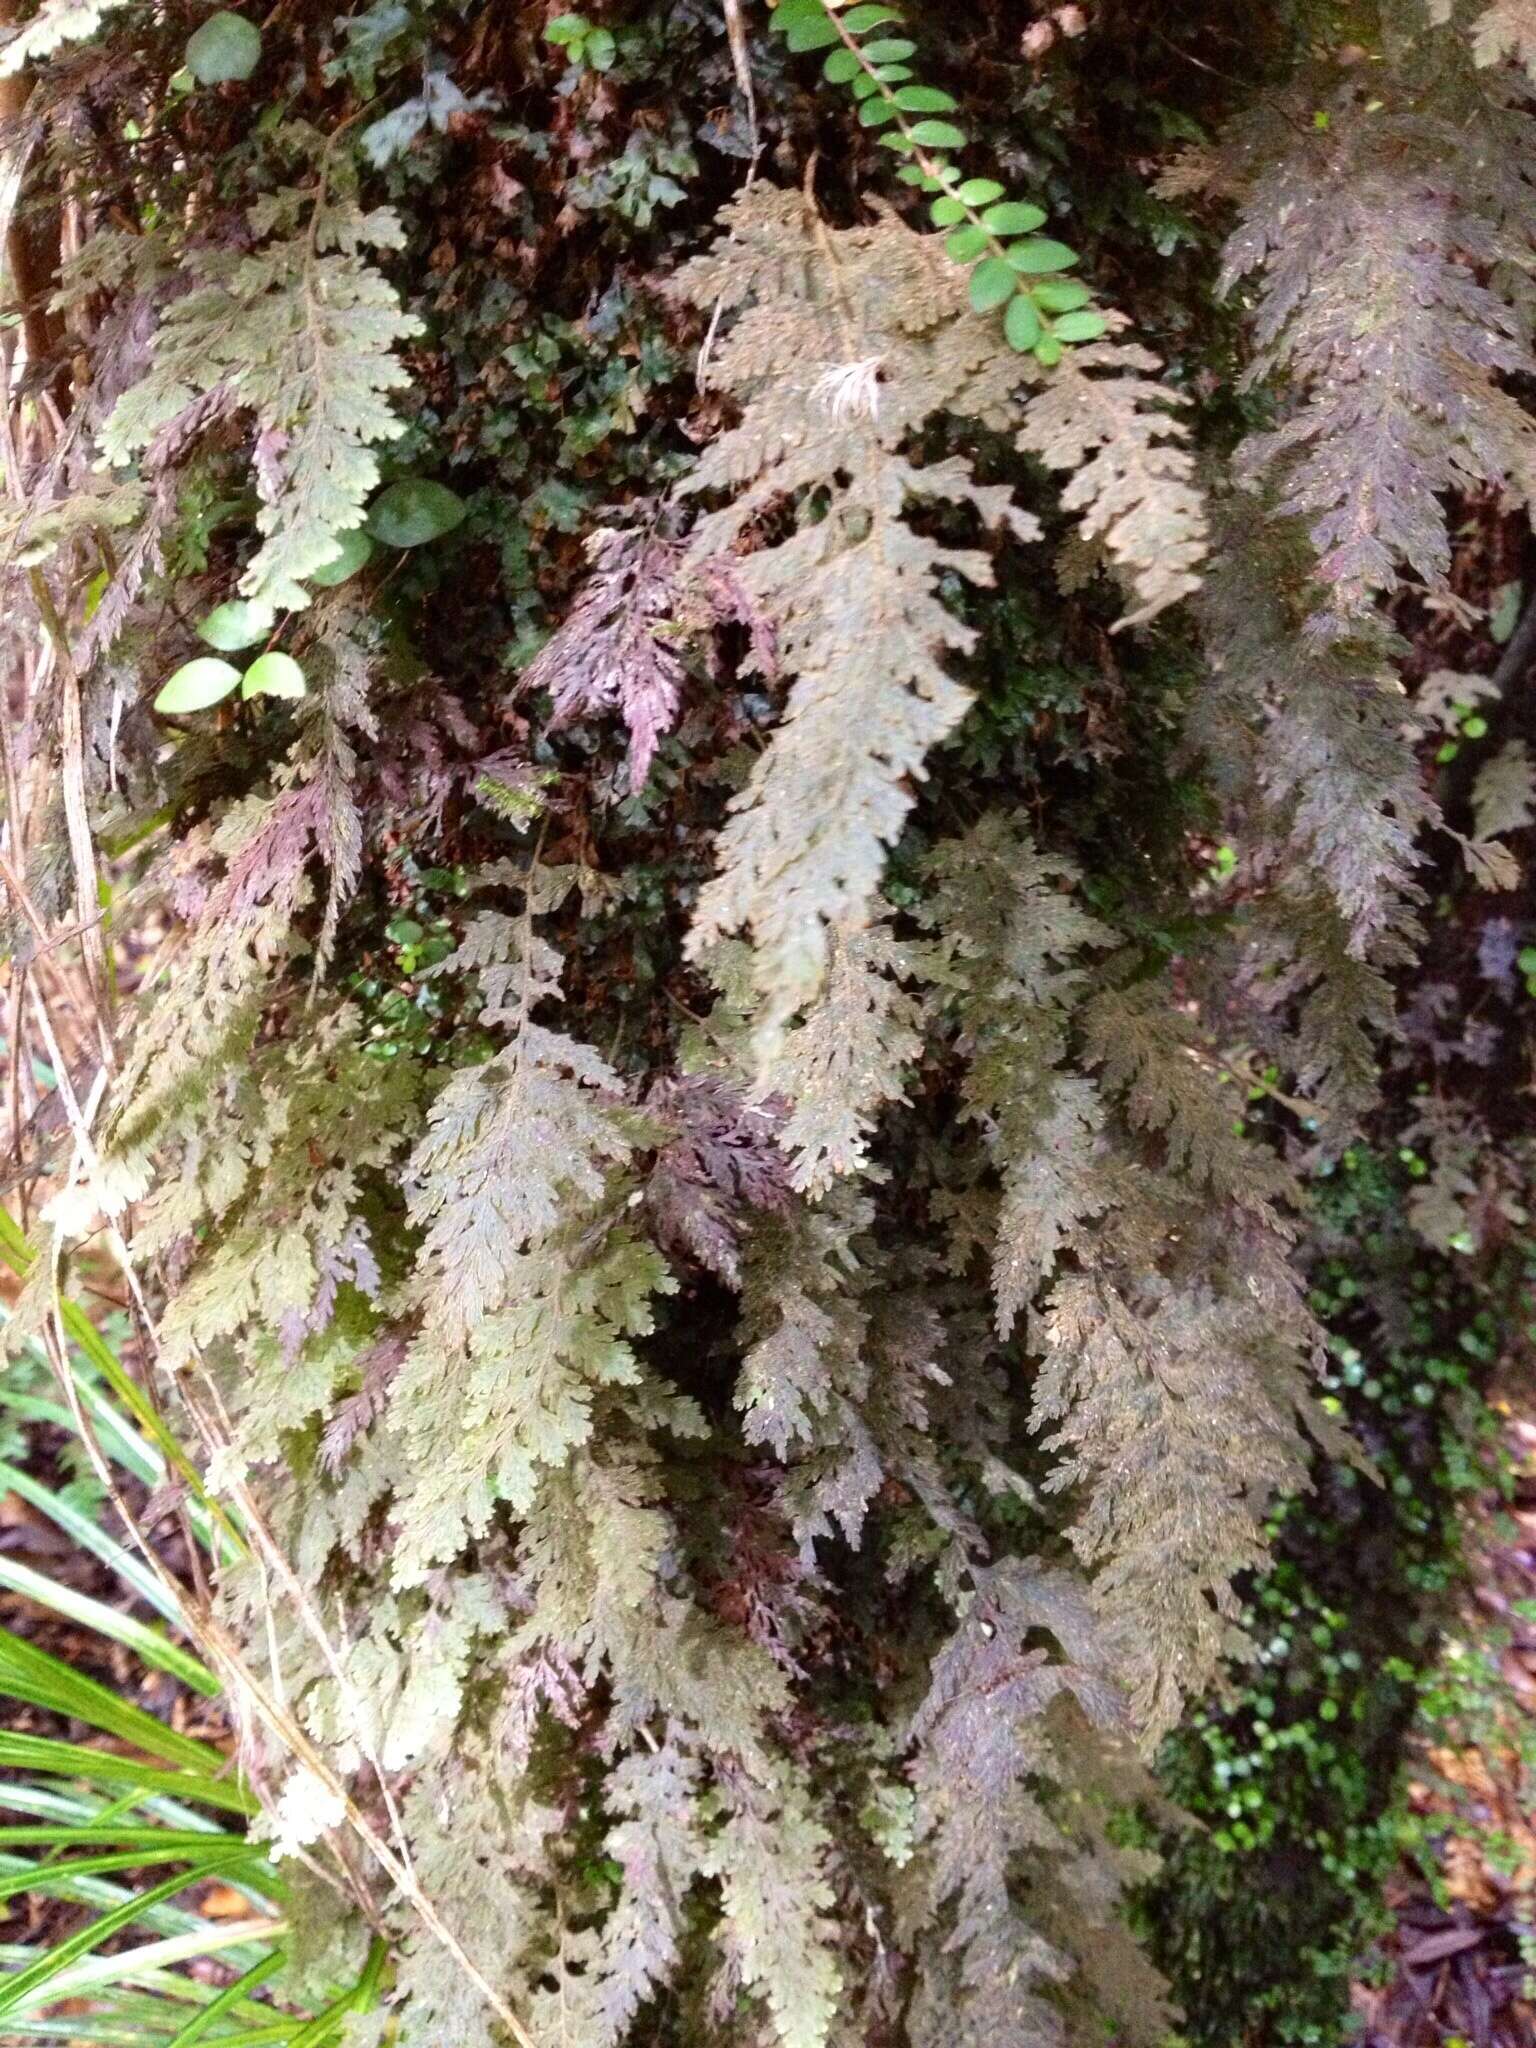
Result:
pixel 1171 1512
pixel 860 623
pixel 1149 1055
pixel 1016 940
pixel 303 332
pixel 1133 480
pixel 1506 29
pixel 986 1769
pixel 848 1056
pixel 805 1375
pixel 1372 312
pixel 769 1857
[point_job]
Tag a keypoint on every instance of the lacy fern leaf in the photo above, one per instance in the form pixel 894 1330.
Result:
pixel 863 335
pixel 303 332
pixel 1506 29
pixel 1373 311
pixel 1121 435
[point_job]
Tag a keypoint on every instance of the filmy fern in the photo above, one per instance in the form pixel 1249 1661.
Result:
pixel 844 343
pixel 697 1178
pixel 302 332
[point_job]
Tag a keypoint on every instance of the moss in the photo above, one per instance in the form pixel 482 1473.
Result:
pixel 1265 1907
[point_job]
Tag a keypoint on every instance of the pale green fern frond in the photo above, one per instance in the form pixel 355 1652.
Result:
pixel 303 332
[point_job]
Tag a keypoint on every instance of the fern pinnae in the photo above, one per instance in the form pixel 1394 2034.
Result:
pixel 303 332
pixel 729 1495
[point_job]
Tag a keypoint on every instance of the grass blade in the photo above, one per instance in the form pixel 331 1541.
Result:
pixel 31 1674
pixel 43 1981
pixel 20 1256
pixel 89 1836
pixel 42 1754
pixel 231 1995
pixel 62 1876
pixel 89 1535
pixel 137 1636
pixel 359 1998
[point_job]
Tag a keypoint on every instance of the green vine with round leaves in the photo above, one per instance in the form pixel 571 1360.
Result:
pixel 1013 268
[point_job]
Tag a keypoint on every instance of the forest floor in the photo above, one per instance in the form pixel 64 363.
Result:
pixel 1454 1972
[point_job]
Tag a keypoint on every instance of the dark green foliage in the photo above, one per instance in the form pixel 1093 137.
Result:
pixel 1262 1914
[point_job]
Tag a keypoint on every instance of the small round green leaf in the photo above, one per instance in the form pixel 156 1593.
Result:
pixel 841 65
pixel 1060 294
pixel 236 624
pixel 861 18
pixel 876 113
pixel 1085 326
pixel 914 174
pixel 965 244
pixel 864 85
pixel 197 684
pixel 1048 351
pixel 1013 217
pixel 889 50
pixel 411 513
pixel 893 138
pixel 924 99
pixel 226 48
pixel 991 283
pixel 810 28
pixel 1021 323
pixel 273 675
pixel 356 549
pixel 938 135
pixel 1031 258
pixel 946 212
pixel 980 191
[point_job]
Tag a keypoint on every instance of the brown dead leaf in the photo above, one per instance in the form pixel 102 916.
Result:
pixel 223 1902
pixel 1466 1877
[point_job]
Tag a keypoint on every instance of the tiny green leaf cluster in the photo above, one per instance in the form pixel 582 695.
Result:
pixel 1013 267
pixel 583 41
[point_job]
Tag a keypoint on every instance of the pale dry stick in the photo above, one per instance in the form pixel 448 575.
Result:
pixel 77 818
pixel 741 62
pixel 56 649
pixel 22 973
pixel 218 1436
pixel 29 910
pixel 202 1628
pixel 15 1028
pixel 17 812
pixel 21 1094
pixel 30 247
